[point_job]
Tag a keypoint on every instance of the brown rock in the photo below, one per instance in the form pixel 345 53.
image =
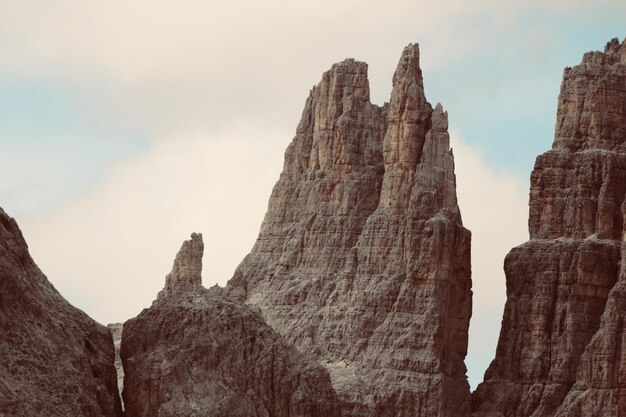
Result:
pixel 54 360
pixel 362 260
pixel 186 272
pixel 197 353
pixel 559 282
pixel 116 331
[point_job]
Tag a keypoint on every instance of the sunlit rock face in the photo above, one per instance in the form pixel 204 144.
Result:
pixel 561 350
pixel 362 260
pixel 54 360
pixel 195 352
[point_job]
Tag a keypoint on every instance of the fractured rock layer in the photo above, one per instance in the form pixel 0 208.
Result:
pixel 362 260
pixel 560 349
pixel 186 273
pixel 195 352
pixel 116 331
pixel 54 360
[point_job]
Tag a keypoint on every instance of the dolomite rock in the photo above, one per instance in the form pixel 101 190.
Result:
pixel 186 275
pixel 116 331
pixel 54 360
pixel 560 351
pixel 362 260
pixel 195 352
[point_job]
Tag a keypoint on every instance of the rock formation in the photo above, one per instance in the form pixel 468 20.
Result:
pixel 116 331
pixel 194 352
pixel 362 260
pixel 186 275
pixel 54 360
pixel 561 346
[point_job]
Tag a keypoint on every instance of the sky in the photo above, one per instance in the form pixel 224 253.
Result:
pixel 127 125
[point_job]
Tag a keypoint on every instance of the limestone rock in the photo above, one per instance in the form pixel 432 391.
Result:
pixel 186 272
pixel 362 260
pixel 195 352
pixel 561 285
pixel 116 331
pixel 54 360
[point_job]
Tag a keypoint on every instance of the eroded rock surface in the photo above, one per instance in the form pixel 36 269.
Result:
pixel 362 260
pixel 116 331
pixel 186 275
pixel 195 352
pixel 54 360
pixel 561 347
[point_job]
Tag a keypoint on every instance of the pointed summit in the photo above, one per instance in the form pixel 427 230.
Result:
pixel 362 261
pixel 409 113
pixel 186 275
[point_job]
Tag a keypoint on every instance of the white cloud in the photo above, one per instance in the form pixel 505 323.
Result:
pixel 178 66
pixel 167 65
pixel 494 207
pixel 109 251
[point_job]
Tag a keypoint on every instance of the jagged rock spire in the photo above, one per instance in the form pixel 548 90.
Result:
pixel 409 113
pixel 186 275
pixel 362 260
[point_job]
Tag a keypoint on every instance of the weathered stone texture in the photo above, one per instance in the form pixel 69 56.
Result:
pixel 362 260
pixel 186 275
pixel 116 331
pixel 562 326
pixel 195 352
pixel 54 360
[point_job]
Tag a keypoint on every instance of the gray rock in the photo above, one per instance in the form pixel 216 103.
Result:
pixel 362 260
pixel 186 275
pixel 116 331
pixel 54 360
pixel 560 351
pixel 195 352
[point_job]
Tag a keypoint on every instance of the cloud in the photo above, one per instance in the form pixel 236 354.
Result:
pixel 166 65
pixel 108 252
pixel 494 207
pixel 235 75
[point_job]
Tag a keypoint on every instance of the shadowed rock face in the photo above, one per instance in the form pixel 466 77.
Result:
pixel 116 331
pixel 362 260
pixel 54 360
pixel 195 352
pixel 560 351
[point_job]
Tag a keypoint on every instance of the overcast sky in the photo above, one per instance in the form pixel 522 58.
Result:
pixel 127 125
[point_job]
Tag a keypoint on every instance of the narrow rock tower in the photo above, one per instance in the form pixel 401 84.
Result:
pixel 362 260
pixel 561 349
pixel 195 352
pixel 186 275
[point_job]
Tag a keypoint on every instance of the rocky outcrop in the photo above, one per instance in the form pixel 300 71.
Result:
pixel 116 331
pixel 186 275
pixel 54 360
pixel 194 352
pixel 362 260
pixel 560 349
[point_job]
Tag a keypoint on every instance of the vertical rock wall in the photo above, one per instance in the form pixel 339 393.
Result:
pixel 362 260
pixel 561 285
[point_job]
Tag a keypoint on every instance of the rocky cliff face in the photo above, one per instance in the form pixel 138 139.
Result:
pixel 362 260
pixel 196 353
pixel 186 275
pixel 55 361
pixel 560 350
